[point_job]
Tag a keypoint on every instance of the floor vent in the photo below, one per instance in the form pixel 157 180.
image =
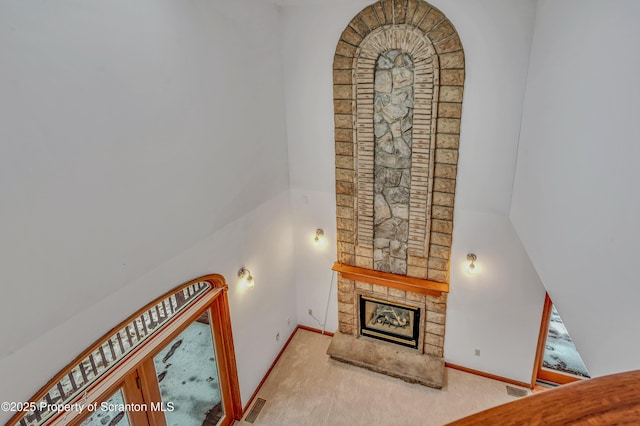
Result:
pixel 516 391
pixel 253 414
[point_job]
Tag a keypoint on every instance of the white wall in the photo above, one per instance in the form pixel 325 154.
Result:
pixel 498 309
pixel 496 36
pixel 310 35
pixel 260 240
pixel 576 204
pixel 124 142
pixel 132 131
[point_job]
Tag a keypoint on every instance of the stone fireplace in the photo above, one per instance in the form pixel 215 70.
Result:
pixel 398 85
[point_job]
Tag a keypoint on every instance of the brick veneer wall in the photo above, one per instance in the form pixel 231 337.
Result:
pixel 422 31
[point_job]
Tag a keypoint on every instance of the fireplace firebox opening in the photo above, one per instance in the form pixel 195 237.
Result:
pixel 391 322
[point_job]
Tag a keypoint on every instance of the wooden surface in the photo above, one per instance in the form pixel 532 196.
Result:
pixel 124 371
pixel 546 374
pixel 608 400
pixel 400 282
pixel 542 338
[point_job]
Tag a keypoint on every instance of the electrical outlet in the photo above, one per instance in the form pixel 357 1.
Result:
pixel 477 352
pixel 277 337
pixel 310 311
pixel 288 321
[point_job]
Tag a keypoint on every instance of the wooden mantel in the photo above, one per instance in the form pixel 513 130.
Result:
pixel 400 282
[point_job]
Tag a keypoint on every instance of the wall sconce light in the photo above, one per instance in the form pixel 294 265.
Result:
pixel 319 237
pixel 246 278
pixel 472 268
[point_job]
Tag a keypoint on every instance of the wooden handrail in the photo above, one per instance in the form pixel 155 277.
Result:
pixel 216 295
pixel 400 282
pixel 608 400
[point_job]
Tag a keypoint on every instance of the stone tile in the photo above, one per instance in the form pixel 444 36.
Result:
pixel 448 171
pixel 417 261
pixel 345 285
pixel 344 121
pixel 380 290
pixel 359 26
pixel 445 141
pixel 439 276
pixel 344 188
pixel 417 271
pixel 347 310
pixel 447 156
pixel 345 148
pixel 435 263
pixel 412 6
pixel 452 60
pixel 433 339
pixel 380 12
pixel 345 247
pixel 351 36
pixel 347 258
pixel 438 299
pixel 346 318
pixel 342 91
pixel 433 328
pixel 344 135
pixel 346 175
pixel 433 350
pixel 444 185
pixel 441 239
pixel 394 292
pixel 346 224
pixel 420 13
pixel 415 297
pixel 344 200
pixel 342 63
pixel 452 44
pixel 452 77
pixel 345 297
pixel 346 236
pixel 439 251
pixel 364 262
pixel 449 125
pixel 442 213
pixel 400 11
pixel 450 94
pixel 364 286
pixel 345 328
pixel 449 110
pixel 436 317
pixel 441 31
pixel 388 11
pixel 398 266
pixel 431 19
pixel 370 18
pixel 342 77
pixel 342 106
pixel 436 307
pixel 443 199
pixel 344 212
pixel 445 226
pixel 364 251
pixel 345 49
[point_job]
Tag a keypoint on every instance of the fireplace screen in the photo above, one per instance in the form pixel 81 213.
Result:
pixel 391 322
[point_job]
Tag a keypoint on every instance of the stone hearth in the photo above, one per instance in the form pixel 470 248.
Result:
pixel 389 359
pixel 398 86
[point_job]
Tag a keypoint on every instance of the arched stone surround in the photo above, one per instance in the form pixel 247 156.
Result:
pixel 426 35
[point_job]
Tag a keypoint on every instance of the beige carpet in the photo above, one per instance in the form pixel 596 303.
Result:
pixel 307 388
